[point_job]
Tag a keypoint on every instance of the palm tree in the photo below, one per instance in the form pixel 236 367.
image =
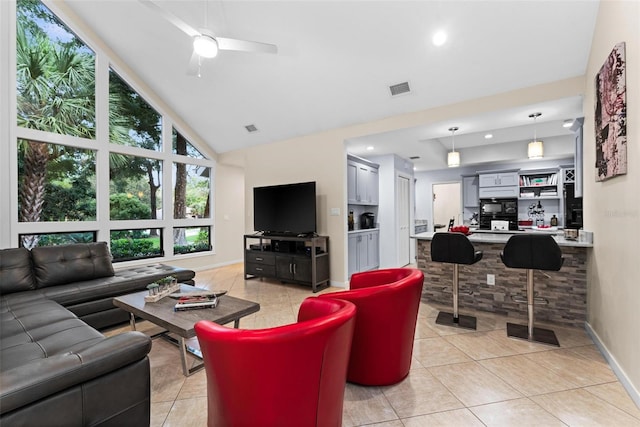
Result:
pixel 55 87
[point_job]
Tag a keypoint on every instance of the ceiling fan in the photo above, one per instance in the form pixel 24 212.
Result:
pixel 205 43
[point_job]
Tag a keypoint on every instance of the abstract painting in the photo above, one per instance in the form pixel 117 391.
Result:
pixel 611 116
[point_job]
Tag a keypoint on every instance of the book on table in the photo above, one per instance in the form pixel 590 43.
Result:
pixel 196 302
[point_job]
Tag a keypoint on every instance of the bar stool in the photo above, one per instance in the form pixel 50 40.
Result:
pixel 532 252
pixel 456 249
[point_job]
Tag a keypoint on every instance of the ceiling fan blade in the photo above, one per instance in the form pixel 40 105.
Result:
pixel 225 43
pixel 188 29
pixel 193 69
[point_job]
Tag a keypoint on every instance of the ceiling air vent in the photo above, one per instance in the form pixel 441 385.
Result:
pixel 251 128
pixel 399 89
pixel 414 157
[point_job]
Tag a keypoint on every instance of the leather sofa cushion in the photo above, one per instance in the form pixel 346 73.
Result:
pixel 55 265
pixel 15 271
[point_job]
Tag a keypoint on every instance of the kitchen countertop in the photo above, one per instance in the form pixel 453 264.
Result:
pixel 488 236
pixel 362 230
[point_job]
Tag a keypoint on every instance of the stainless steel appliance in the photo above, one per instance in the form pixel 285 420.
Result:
pixel 572 208
pixel 498 210
pixel 367 220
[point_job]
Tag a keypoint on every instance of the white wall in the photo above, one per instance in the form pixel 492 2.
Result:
pixel 322 157
pixel 612 207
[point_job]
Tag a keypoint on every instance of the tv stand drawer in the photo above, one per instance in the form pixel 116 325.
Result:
pixel 260 269
pixel 260 257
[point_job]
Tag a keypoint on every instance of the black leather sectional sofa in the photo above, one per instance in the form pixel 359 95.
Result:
pixel 56 368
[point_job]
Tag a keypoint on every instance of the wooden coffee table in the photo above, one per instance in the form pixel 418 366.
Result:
pixel 180 323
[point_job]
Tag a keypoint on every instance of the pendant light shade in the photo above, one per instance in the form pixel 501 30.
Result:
pixel 535 149
pixel 453 158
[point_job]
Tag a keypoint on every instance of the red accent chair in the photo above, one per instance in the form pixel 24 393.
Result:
pixel 291 375
pixel 388 302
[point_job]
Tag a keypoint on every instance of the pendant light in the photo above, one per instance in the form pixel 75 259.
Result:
pixel 453 158
pixel 535 150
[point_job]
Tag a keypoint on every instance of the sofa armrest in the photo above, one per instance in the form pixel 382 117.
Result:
pixel 44 377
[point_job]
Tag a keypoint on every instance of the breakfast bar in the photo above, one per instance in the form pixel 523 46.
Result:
pixel 561 296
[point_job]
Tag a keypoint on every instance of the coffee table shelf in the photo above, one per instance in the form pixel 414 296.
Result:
pixel 180 323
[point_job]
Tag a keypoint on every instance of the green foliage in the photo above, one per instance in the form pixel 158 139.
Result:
pixel 65 238
pixel 203 236
pixel 186 249
pixel 124 249
pixel 124 207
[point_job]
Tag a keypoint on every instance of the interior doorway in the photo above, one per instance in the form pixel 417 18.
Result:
pixel 403 215
pixel 447 204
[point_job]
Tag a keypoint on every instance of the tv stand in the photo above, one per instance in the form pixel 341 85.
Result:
pixel 290 258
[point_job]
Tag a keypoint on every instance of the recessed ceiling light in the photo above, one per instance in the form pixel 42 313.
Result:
pixel 567 123
pixel 251 128
pixel 488 136
pixel 370 148
pixel 439 38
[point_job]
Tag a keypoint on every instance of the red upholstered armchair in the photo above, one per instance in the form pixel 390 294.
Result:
pixel 387 302
pixel 292 375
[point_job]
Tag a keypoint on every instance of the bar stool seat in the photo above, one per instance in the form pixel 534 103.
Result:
pixel 456 249
pixel 532 252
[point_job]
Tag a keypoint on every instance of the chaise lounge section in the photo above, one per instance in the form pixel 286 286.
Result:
pixel 56 368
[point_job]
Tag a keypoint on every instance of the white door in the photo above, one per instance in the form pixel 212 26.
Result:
pixel 446 204
pixel 403 203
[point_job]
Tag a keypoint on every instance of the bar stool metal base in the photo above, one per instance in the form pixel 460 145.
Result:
pixel 447 319
pixel 545 336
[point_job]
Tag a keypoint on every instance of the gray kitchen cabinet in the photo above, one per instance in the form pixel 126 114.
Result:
pixel 362 182
pixel 363 251
pixel 498 184
pixel 470 191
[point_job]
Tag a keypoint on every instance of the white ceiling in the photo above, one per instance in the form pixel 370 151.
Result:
pixel 337 58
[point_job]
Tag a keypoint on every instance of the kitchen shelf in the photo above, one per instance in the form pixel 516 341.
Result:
pixel 539 184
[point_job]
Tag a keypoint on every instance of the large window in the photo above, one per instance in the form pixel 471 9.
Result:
pixel 89 174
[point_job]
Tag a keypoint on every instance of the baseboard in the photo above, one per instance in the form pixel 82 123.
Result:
pixel 220 264
pixel 617 369
pixel 343 285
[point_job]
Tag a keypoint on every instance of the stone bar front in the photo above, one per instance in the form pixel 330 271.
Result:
pixel 564 292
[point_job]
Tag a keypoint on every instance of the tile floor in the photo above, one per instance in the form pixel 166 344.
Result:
pixel 457 378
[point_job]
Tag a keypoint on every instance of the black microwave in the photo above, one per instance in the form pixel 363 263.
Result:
pixel 492 207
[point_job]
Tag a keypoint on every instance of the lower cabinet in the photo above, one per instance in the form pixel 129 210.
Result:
pixel 364 251
pixel 293 268
pixel 302 260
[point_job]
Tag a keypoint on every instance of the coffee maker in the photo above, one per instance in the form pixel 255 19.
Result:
pixel 367 220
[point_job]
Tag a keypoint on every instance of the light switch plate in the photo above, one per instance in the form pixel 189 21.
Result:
pixel 335 212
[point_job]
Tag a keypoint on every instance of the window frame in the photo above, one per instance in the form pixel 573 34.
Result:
pixel 104 60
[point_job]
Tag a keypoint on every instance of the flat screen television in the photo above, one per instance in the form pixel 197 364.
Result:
pixel 285 209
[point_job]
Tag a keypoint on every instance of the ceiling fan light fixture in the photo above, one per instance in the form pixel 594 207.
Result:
pixel 205 46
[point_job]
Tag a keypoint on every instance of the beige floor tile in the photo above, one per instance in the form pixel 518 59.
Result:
pixel 573 367
pixel 616 395
pixel 479 345
pixel 420 394
pixel 518 346
pixel 474 385
pixel 520 412
pixel 581 408
pixel 365 405
pixel 188 413
pixel 457 418
pixel 590 352
pixel 437 351
pixel 159 412
pixel 194 386
pixel 526 376
pixel 423 330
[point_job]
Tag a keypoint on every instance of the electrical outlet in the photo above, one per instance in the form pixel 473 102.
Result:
pixel 491 279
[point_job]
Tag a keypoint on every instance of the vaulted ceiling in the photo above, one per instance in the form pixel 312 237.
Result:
pixel 337 59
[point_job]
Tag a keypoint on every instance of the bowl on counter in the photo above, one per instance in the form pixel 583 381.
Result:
pixel 525 222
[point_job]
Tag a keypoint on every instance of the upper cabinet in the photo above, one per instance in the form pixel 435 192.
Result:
pixel 540 184
pixel 470 191
pixel 362 182
pixel 498 184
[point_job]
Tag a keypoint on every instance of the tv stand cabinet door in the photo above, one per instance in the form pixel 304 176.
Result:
pixel 302 269
pixel 284 267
